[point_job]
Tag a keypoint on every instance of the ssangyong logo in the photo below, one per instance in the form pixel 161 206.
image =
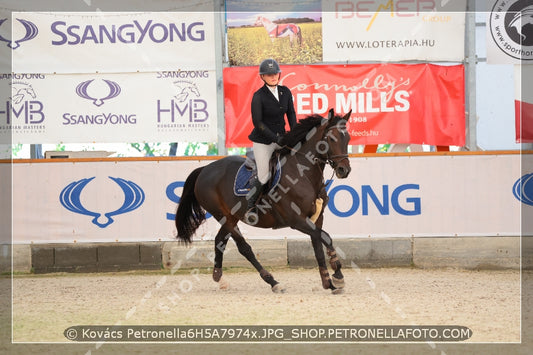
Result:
pixel 70 198
pixel 112 91
pixel 523 189
pixel 511 27
pixel 30 32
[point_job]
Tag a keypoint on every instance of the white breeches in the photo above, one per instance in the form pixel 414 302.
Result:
pixel 262 153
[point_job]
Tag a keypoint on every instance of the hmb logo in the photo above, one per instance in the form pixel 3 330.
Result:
pixel 31 32
pixel 23 105
pixel 186 102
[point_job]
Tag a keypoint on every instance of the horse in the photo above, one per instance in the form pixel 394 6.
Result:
pixel 296 201
pixel 274 31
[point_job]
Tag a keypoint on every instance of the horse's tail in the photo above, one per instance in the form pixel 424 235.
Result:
pixel 190 215
pixel 300 39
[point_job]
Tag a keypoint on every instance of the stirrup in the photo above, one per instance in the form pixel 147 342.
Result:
pixel 251 216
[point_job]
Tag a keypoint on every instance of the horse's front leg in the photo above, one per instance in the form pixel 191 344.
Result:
pixel 336 282
pixel 338 278
pixel 321 260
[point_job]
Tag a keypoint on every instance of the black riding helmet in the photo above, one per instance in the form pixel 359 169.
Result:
pixel 269 66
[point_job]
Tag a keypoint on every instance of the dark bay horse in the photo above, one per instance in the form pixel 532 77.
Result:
pixel 294 202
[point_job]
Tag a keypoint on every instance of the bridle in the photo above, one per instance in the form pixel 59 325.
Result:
pixel 334 160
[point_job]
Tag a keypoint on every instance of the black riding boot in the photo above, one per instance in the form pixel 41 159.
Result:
pixel 252 197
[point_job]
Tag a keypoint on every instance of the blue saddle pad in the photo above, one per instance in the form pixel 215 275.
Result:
pixel 244 176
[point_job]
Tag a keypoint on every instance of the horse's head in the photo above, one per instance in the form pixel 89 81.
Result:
pixel 259 21
pixel 323 140
pixel 29 90
pixel 336 139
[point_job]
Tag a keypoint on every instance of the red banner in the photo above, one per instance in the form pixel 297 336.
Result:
pixel 523 121
pixel 390 103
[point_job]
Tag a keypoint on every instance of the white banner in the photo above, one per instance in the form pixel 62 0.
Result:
pixel 169 106
pixel 111 42
pixel 5 41
pixel 392 31
pixel 509 33
pixel 124 200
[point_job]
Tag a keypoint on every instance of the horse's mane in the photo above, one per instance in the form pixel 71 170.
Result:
pixel 300 130
pixel 298 133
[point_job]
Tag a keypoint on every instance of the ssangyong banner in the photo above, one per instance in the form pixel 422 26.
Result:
pixel 390 103
pixel 386 31
pixel 83 42
pixel 410 196
pixel 6 43
pixel 162 106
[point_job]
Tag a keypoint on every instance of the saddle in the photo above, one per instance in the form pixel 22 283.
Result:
pixel 248 171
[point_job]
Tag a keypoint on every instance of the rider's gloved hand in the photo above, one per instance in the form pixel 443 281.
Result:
pixel 280 140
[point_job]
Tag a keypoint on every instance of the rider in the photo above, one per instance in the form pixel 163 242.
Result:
pixel 270 104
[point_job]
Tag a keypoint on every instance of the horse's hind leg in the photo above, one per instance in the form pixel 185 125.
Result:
pixel 221 240
pixel 246 250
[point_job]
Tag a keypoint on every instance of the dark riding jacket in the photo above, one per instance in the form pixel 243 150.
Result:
pixel 268 114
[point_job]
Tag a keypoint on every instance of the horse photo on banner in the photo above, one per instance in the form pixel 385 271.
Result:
pixel 290 30
pixel 293 36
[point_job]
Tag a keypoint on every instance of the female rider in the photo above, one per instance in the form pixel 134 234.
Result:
pixel 270 104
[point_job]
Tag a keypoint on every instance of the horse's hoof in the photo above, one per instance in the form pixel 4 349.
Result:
pixel 223 284
pixel 217 274
pixel 277 288
pixel 337 283
pixel 337 291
